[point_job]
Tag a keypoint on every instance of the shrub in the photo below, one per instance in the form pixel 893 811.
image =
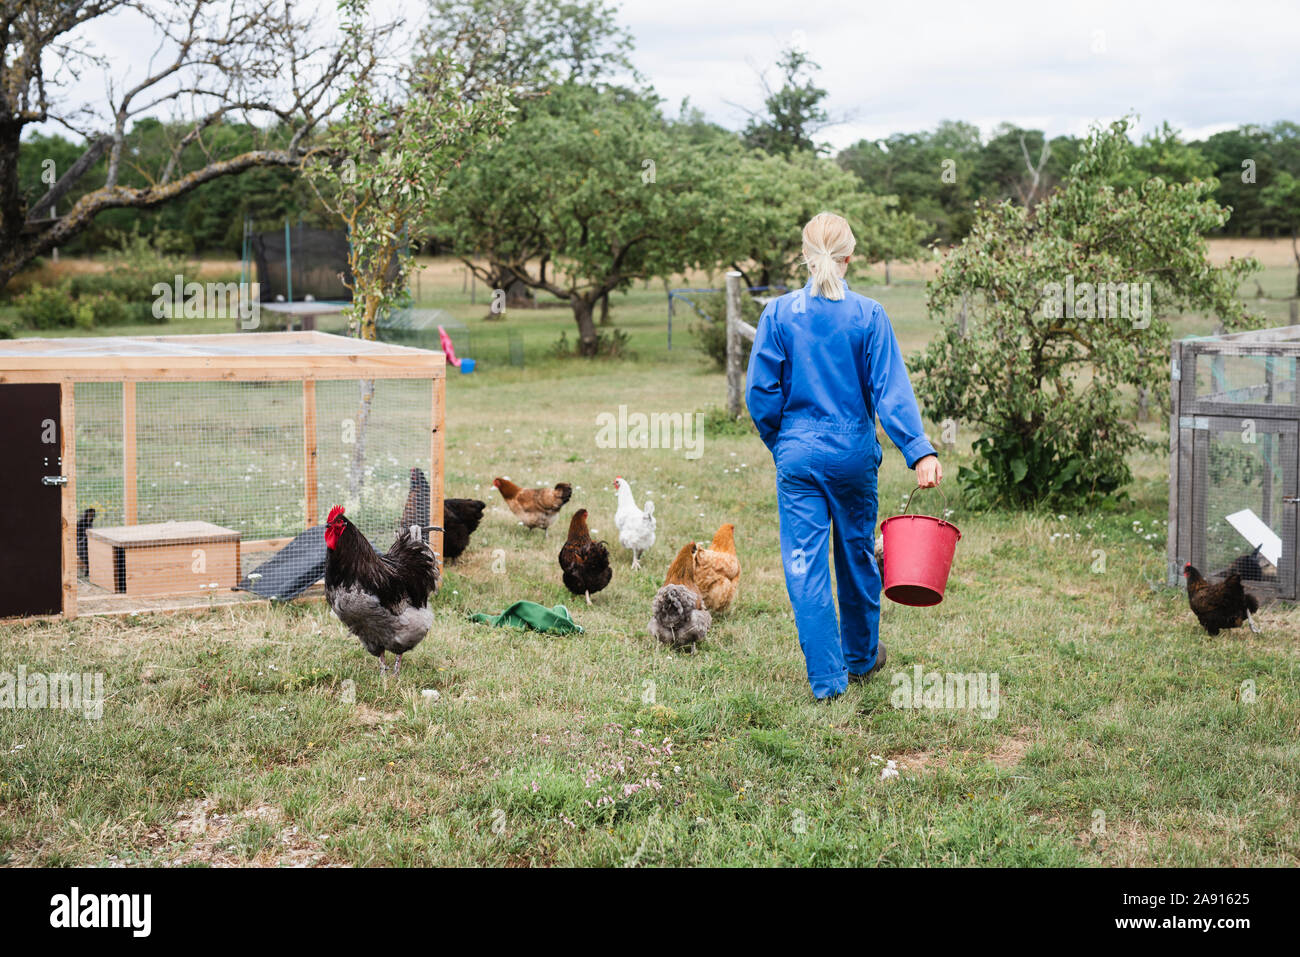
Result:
pixel 1042 381
pixel 49 307
pixel 609 345
pixel 711 333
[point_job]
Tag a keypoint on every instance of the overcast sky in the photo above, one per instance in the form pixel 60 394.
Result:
pixel 901 67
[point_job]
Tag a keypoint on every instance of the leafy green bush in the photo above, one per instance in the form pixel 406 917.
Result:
pixel 1043 382
pixel 711 336
pixel 133 269
pixel 612 344
pixel 52 307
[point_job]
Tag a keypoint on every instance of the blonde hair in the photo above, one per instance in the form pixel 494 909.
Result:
pixel 827 243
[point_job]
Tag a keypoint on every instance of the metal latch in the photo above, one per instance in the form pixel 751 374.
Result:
pixel 54 480
pixel 1291 500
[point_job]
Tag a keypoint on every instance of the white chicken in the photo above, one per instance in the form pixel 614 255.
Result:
pixel 636 528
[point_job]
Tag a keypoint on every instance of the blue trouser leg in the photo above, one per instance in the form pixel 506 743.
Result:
pixel 805 539
pixel 851 482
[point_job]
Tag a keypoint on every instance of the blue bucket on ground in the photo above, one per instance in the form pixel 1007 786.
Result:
pixel 466 366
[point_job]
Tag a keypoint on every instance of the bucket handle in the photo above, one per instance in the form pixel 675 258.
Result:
pixel 908 503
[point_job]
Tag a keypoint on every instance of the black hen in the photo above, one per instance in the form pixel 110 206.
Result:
pixel 1219 605
pixel 460 518
pixel 585 563
pixel 1251 567
pixel 416 510
pixel 83 542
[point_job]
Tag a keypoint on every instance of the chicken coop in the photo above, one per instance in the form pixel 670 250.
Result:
pixel 151 473
pixel 1234 458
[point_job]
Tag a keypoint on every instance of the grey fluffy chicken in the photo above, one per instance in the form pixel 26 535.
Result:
pixel 382 599
pixel 678 617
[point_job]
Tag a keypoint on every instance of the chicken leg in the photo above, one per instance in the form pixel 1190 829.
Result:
pixel 383 663
pixel 636 561
pixel 1253 627
pixel 397 666
pixel 588 594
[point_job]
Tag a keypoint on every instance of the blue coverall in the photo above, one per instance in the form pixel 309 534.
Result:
pixel 820 372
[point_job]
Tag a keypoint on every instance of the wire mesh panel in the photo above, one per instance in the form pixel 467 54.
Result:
pixel 197 484
pixel 1228 378
pixel 1235 459
pixel 370 434
pixel 1238 500
pixel 99 451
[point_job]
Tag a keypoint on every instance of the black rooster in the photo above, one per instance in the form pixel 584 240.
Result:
pixel 383 599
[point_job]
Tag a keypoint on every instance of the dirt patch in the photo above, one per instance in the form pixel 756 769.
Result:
pixel 1008 753
pixel 201 836
pixel 372 716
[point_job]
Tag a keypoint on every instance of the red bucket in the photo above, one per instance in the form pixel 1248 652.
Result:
pixel 918 552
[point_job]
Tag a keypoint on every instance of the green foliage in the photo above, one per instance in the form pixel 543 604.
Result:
pixel 711 334
pixel 794 113
pixel 382 167
pixel 767 199
pixel 51 307
pixel 587 193
pixel 610 344
pixel 1041 381
pixel 718 422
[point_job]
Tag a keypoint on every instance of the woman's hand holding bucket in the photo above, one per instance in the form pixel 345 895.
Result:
pixel 929 473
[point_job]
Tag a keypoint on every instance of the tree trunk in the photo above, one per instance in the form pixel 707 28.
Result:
pixel 887 273
pixel 582 314
pixel 604 309
pixel 11 205
pixel 357 470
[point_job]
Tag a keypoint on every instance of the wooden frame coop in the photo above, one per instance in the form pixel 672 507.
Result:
pixel 200 456
pixel 1234 465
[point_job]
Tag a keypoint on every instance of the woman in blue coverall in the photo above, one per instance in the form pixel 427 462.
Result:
pixel 824 365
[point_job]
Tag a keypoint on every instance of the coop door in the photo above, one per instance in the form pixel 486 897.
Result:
pixel 1244 489
pixel 31 494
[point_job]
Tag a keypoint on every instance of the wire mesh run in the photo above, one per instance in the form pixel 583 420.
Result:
pixel 1235 459
pixel 185 488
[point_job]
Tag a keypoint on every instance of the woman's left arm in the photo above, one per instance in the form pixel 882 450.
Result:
pixel 893 398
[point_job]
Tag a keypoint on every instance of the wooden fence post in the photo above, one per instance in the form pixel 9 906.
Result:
pixel 737 329
pixel 735 374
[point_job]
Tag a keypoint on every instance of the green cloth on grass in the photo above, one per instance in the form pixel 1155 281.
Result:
pixel 529 614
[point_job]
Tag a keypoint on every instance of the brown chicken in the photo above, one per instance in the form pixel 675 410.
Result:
pixel 717 570
pixel 585 563
pixel 682 570
pixel 535 507
pixel 1219 605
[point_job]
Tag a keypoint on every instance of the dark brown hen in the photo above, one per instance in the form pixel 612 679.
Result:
pixel 1219 605
pixel 585 563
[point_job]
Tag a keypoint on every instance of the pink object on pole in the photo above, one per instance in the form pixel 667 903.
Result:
pixel 448 349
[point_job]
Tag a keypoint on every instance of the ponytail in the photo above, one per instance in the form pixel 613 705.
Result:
pixel 827 243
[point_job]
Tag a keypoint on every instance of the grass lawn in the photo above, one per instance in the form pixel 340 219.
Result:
pixel 1124 734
